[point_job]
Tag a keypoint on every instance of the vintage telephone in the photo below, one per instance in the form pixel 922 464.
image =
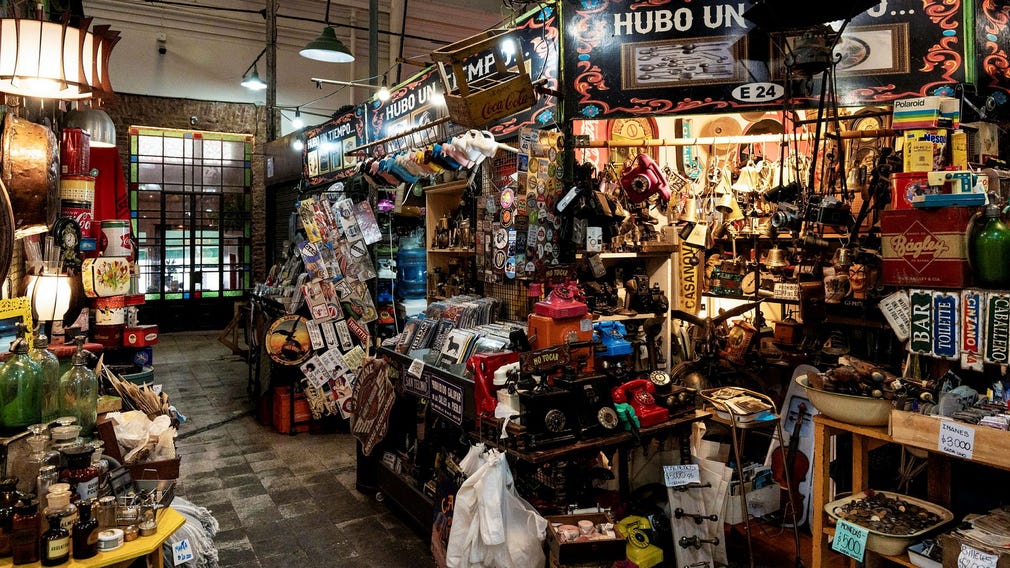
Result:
pixel 643 179
pixel 638 393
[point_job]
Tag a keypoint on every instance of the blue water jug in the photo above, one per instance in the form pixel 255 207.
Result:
pixel 411 273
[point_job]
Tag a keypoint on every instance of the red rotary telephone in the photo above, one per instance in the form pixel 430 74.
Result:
pixel 643 178
pixel 641 399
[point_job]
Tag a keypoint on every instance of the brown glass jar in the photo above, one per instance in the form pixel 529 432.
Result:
pixel 80 474
pixel 85 533
pixel 25 539
pixel 55 543
pixel 8 499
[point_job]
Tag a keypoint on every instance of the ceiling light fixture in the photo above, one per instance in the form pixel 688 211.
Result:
pixel 383 94
pixel 251 78
pixel 327 47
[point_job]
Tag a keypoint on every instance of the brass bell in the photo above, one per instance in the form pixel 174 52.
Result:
pixel 729 207
pixel 748 180
pixel 776 258
pixel 842 257
pixel 690 213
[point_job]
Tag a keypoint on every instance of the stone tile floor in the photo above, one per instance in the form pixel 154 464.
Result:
pixel 281 500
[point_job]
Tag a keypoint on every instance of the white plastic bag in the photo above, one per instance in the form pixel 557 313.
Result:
pixel 493 527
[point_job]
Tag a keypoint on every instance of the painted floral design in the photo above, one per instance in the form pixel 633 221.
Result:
pixel 112 275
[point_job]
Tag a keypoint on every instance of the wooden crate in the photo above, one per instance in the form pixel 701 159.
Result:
pixel 922 431
pixel 591 553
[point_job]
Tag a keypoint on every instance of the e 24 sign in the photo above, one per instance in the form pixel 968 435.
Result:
pixel 758 92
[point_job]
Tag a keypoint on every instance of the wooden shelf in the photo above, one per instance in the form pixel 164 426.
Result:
pixel 451 187
pixel 457 250
pixel 921 431
pixel 750 298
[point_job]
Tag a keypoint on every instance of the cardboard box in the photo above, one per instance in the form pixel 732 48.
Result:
pixel 926 247
pixel 593 551
pixel 924 150
pixel 952 549
pixel 140 335
pixel 926 112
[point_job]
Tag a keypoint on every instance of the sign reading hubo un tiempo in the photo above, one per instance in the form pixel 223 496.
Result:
pixel 329 148
pixel 647 57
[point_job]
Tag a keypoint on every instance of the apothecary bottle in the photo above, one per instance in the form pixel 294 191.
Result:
pixel 27 530
pixel 55 543
pixel 79 391
pixel 80 474
pixel 20 388
pixel 8 500
pixel 85 533
pixel 40 455
pixel 50 365
pixel 59 505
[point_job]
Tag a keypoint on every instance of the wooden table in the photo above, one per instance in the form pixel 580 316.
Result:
pixel 148 547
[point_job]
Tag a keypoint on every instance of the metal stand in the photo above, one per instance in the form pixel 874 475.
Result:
pixel 737 431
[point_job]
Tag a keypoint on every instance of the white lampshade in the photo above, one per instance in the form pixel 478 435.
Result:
pixel 50 296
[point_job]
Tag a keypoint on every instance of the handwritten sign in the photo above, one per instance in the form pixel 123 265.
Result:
pixel 446 399
pixel 182 552
pixel 850 540
pixel 676 475
pixel 416 367
pixel 956 439
pixel 973 558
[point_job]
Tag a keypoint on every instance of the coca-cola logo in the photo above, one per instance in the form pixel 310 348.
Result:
pixel 512 103
pixel 919 247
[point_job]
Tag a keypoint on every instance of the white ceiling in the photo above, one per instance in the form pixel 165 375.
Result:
pixel 208 49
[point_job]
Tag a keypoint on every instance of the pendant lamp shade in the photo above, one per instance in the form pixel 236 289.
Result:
pixel 253 82
pixel 327 47
pixel 96 122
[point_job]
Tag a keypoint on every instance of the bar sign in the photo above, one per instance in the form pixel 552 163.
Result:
pixel 946 339
pixel 997 328
pixel 922 328
pixel 972 321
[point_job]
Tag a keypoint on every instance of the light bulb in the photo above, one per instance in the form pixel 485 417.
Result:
pixel 297 121
pixel 383 94
pixel 298 145
pixel 437 99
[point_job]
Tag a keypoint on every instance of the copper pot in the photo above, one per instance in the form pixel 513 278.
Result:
pixel 30 170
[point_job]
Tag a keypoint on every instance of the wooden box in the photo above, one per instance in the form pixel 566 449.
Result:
pixel 163 469
pixel 592 552
pixel 952 549
pixel 922 431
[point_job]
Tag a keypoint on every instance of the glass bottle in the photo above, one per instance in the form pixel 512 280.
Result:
pixel 25 539
pixel 8 499
pixel 85 533
pixel 989 249
pixel 55 543
pixel 79 391
pixel 40 455
pixel 99 461
pixel 80 474
pixel 20 388
pixel 50 365
pixel 58 501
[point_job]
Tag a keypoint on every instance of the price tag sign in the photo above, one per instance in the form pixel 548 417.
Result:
pixel 416 367
pixel 182 551
pixel 956 439
pixel 850 540
pixel 676 475
pixel 973 558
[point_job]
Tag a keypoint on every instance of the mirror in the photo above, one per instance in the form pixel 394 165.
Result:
pixel 12 312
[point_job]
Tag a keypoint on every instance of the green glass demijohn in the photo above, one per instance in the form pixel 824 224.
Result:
pixel 79 391
pixel 50 365
pixel 20 387
pixel 989 249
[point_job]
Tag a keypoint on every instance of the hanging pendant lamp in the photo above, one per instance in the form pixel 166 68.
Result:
pixel 327 47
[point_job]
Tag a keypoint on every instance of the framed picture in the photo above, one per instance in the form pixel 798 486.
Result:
pixel 683 61
pixel 12 312
pixel 865 50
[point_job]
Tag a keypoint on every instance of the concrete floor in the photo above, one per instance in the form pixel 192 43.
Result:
pixel 281 500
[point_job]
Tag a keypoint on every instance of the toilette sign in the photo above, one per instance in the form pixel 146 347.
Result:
pixel 645 57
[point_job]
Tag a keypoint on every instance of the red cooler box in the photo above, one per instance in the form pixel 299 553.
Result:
pixel 547 332
pixel 926 247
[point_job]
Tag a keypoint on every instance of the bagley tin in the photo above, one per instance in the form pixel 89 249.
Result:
pixel 926 247
pixel 75 152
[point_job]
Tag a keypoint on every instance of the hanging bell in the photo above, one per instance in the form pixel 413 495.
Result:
pixel 690 213
pixel 776 258
pixel 842 257
pixel 698 237
pixel 748 180
pixel 730 208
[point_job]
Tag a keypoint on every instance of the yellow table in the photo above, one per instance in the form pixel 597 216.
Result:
pixel 144 546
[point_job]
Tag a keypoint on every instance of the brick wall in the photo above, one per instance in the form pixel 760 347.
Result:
pixel 140 110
